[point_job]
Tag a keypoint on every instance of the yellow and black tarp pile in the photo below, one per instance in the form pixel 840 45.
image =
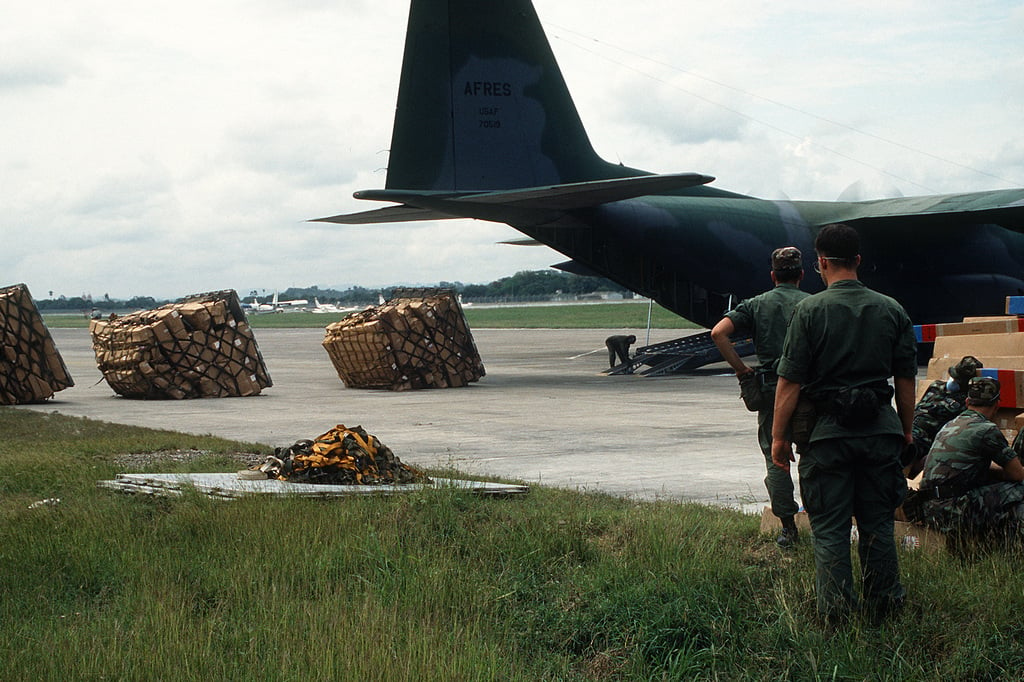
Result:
pixel 418 339
pixel 31 368
pixel 200 347
pixel 343 456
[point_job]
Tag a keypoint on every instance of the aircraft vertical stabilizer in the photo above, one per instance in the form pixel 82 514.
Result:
pixel 483 105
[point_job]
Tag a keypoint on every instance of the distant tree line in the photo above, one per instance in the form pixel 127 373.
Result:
pixel 537 283
pixel 86 303
pixel 526 285
pixel 349 297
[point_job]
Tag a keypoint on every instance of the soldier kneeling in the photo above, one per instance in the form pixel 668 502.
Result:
pixel 961 493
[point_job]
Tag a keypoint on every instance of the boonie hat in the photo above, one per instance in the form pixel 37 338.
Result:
pixel 787 258
pixel 983 391
pixel 965 369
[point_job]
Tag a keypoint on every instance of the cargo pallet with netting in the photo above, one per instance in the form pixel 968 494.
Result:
pixel 200 347
pixel 418 339
pixel 31 369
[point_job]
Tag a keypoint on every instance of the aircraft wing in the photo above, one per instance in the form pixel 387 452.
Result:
pixel 422 205
pixel 1003 207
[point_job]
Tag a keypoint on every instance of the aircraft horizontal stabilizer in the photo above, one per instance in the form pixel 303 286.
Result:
pixel 524 241
pixel 593 193
pixel 434 205
pixel 563 197
pixel 576 268
pixel 391 214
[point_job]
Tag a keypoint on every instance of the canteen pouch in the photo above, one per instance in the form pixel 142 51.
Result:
pixel 855 407
pixel 751 391
pixel 801 424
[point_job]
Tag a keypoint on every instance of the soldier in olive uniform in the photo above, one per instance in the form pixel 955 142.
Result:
pixel 942 401
pixel 618 349
pixel 766 317
pixel 842 347
pixel 964 496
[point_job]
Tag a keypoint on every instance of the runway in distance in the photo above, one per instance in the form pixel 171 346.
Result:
pixel 485 128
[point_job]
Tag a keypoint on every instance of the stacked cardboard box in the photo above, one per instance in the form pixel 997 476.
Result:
pixel 999 343
pixel 31 369
pixel 418 339
pixel 928 333
pixel 201 347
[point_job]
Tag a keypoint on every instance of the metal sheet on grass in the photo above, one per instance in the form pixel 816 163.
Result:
pixel 228 485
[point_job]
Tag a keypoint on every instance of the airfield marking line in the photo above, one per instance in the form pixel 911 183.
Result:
pixel 589 352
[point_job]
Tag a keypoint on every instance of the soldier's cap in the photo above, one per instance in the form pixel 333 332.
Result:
pixel 983 391
pixel 966 369
pixel 787 258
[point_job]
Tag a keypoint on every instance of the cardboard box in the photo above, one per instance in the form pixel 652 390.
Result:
pixel 982 346
pixel 1006 418
pixel 1011 385
pixel 926 333
pixel 989 318
pixel 938 368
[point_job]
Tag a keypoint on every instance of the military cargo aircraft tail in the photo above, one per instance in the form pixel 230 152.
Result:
pixel 485 128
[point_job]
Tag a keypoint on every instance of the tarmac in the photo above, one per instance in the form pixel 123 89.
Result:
pixel 543 414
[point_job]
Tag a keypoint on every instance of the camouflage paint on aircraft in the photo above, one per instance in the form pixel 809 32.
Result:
pixel 485 128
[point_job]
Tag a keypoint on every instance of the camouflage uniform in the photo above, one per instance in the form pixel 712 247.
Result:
pixel 849 336
pixel 942 401
pixel 766 318
pixel 961 499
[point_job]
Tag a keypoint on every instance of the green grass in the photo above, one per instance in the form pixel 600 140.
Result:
pixel 65 321
pixel 436 585
pixel 589 316
pixel 569 316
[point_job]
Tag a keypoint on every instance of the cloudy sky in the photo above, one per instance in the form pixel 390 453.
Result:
pixel 162 149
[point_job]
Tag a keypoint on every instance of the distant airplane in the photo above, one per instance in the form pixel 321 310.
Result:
pixel 275 306
pixel 322 308
pixel 256 306
pixel 485 128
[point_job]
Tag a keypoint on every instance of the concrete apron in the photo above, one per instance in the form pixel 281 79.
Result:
pixel 543 414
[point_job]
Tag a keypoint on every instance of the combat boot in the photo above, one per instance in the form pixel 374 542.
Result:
pixel 789 535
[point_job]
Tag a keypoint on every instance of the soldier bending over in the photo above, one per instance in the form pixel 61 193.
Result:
pixel 942 401
pixel 618 347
